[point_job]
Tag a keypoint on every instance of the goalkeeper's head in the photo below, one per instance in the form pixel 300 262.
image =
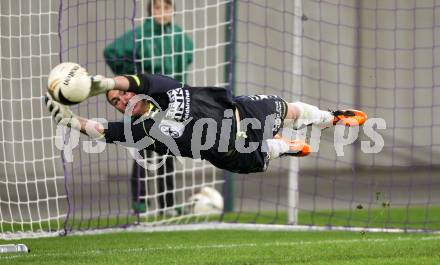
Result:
pixel 120 99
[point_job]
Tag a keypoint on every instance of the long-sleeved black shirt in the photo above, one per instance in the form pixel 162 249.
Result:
pixel 179 120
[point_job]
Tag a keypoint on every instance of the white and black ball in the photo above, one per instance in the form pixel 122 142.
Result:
pixel 69 83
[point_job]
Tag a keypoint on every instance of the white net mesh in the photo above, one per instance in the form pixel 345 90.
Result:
pixel 377 56
pixel 40 191
pixel 32 194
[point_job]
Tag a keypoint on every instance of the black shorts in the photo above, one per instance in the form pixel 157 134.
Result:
pixel 261 107
pixel 261 117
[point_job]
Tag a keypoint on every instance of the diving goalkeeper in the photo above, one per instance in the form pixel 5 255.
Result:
pixel 239 134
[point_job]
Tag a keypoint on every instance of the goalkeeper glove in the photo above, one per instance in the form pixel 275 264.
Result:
pixel 101 85
pixel 61 113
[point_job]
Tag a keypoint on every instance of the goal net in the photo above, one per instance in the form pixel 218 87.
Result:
pixel 108 189
pixel 377 56
pixel 32 196
pixel 56 181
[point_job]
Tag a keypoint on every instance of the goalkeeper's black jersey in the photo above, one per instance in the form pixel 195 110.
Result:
pixel 179 110
pixel 199 122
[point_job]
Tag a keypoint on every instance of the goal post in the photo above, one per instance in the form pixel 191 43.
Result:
pixel 292 190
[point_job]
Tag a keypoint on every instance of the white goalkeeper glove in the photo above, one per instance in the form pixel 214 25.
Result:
pixel 61 113
pixel 101 85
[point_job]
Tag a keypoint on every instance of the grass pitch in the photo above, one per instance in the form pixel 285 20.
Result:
pixel 248 247
pixel 231 247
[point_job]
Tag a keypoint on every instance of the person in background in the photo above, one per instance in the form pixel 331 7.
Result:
pixel 158 46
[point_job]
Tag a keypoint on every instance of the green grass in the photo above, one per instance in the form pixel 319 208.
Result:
pixel 247 247
pixel 231 247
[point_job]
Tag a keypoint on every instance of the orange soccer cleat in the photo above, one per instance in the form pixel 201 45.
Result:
pixel 349 117
pixel 296 147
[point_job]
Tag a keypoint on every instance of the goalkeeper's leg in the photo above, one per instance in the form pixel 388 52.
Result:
pixel 300 114
pixel 280 146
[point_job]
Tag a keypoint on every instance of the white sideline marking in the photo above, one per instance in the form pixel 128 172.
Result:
pixel 163 227
pixel 217 246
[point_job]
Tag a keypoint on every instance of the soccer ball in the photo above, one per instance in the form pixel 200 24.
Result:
pixel 69 83
pixel 207 201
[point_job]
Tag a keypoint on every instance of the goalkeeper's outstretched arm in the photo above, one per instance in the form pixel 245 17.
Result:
pixel 101 84
pixel 114 132
pixel 145 84
pixel 69 83
pixel 64 116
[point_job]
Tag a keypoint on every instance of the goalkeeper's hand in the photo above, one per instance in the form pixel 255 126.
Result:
pixel 101 85
pixel 61 113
